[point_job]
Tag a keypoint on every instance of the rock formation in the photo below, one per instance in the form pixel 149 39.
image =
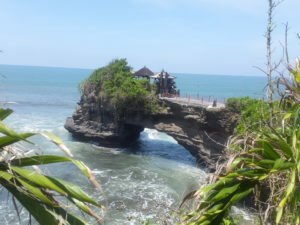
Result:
pixel 202 131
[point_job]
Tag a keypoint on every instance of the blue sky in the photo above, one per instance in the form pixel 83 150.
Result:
pixel 192 36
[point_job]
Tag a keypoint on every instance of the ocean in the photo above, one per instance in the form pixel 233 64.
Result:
pixel 146 181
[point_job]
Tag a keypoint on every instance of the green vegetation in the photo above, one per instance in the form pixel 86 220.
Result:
pixel 252 113
pixel 266 166
pixel 45 197
pixel 115 83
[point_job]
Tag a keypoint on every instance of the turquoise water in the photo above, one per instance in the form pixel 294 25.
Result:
pixel 147 180
pixel 220 86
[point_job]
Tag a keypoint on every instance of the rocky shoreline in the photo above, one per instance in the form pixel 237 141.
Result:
pixel 202 131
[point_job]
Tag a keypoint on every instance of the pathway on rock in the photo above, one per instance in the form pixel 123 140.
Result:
pixel 194 102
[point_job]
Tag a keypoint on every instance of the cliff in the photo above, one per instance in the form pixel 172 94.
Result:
pixel 203 132
pixel 115 107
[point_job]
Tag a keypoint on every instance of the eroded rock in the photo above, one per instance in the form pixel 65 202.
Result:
pixel 203 132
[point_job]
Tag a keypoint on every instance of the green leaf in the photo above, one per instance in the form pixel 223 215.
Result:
pixel 47 159
pixel 6 176
pixel 5 113
pixel 56 140
pixel 35 192
pixel 9 132
pixel 223 181
pixel 62 187
pixel 281 164
pixel 86 209
pixel 285 148
pixel 225 192
pixel 253 174
pixel 268 150
pixel 287 116
pixel 294 140
pixel 44 214
pixel 8 140
pixel 265 163
pixel 39 160
pixel 243 192
pixel 87 172
pixel 289 190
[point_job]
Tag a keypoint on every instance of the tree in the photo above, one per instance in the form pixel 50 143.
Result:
pixel 116 85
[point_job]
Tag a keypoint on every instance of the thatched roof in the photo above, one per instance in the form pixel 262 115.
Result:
pixel 144 72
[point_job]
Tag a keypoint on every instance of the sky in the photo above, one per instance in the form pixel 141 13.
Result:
pixel 184 36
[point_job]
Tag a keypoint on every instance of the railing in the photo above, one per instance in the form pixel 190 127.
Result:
pixel 207 101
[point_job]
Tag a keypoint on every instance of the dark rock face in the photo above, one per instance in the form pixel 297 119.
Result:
pixel 203 132
pixel 96 121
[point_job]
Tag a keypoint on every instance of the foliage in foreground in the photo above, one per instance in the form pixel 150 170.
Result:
pixel 252 113
pixel 266 167
pixel 44 197
pixel 116 84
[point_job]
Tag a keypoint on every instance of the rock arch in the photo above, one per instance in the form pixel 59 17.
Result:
pixel 202 131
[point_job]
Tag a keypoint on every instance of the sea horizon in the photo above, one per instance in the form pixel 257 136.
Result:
pixel 171 72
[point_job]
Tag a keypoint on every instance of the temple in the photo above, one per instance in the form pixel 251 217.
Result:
pixel 165 83
pixel 143 73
